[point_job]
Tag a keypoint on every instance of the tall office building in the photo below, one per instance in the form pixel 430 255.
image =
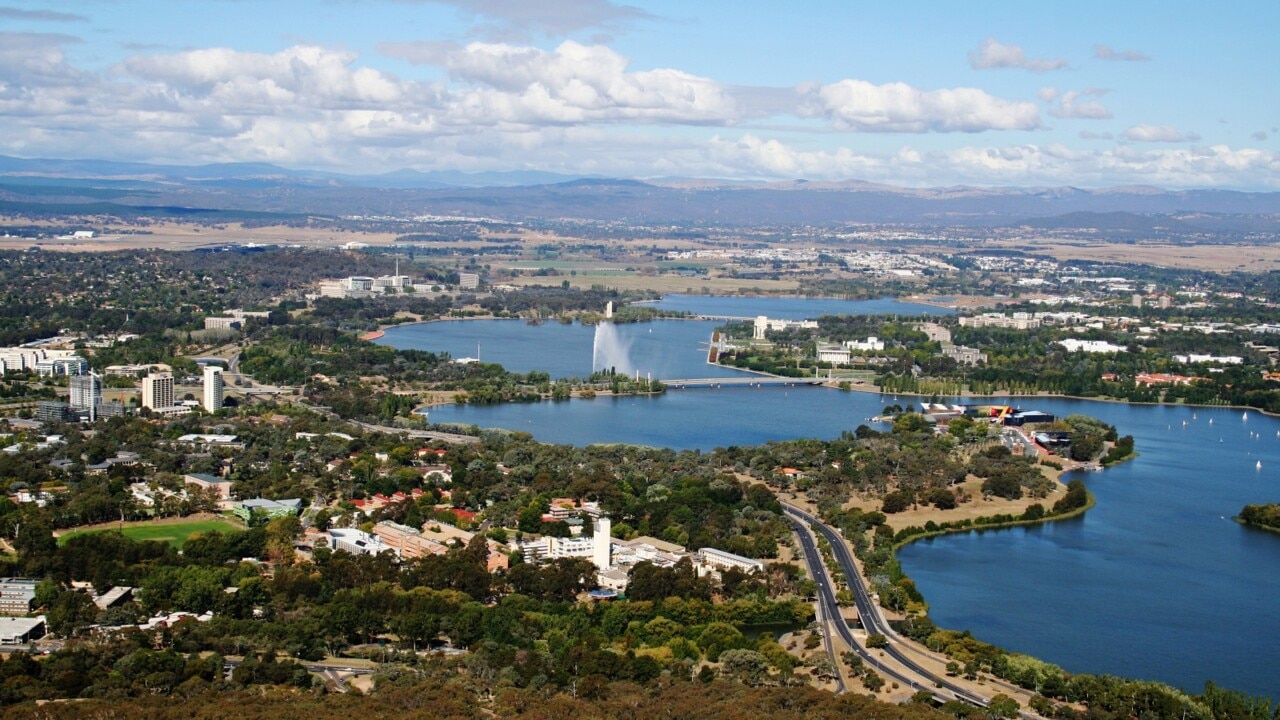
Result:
pixel 212 388
pixel 157 391
pixel 86 394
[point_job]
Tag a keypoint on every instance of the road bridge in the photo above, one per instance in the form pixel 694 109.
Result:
pixel 752 381
pixel 730 318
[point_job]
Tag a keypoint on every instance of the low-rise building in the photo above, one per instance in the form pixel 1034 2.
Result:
pixel 21 630
pixel 722 560
pixel 834 354
pixel 222 486
pixel 1091 346
pixel 357 542
pixel 260 507
pixel 1016 321
pixel 16 595
pixel 963 355
pixel 871 344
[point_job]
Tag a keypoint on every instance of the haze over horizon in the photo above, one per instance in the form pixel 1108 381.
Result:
pixel 918 94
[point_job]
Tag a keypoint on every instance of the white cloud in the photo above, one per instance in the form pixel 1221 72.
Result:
pixel 1158 133
pixel 307 75
pixel 1104 52
pixel 573 108
pixel 896 107
pixel 1050 164
pixel 1075 104
pixel 992 54
pixel 578 83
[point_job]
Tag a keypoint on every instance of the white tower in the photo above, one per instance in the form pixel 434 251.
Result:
pixel 608 310
pixel 212 388
pixel 601 546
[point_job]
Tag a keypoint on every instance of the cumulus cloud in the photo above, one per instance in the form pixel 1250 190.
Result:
pixel 1104 52
pixel 305 76
pixel 992 54
pixel 574 108
pixel 896 107
pixel 753 156
pixel 12 13
pixel 578 83
pixel 36 60
pixel 1076 104
pixel 549 17
pixel 1158 133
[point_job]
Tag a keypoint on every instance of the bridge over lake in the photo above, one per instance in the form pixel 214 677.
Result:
pixel 757 381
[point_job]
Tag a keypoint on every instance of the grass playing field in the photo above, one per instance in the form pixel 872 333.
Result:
pixel 173 532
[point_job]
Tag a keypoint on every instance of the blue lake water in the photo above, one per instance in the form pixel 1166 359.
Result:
pixel 1154 582
pixel 664 348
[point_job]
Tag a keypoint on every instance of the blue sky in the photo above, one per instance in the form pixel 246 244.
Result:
pixel 1091 94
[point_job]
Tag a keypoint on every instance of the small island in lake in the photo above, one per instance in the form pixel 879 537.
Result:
pixel 1266 517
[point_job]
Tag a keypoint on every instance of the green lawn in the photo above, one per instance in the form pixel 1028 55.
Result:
pixel 173 533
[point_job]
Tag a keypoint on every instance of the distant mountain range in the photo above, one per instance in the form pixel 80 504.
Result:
pixel 531 195
pixel 242 174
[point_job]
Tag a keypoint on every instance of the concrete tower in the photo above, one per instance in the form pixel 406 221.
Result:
pixel 212 388
pixel 601 547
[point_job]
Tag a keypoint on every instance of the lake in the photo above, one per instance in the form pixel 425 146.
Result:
pixel 1154 582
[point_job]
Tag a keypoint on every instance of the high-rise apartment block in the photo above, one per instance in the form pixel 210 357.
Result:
pixel 212 388
pixel 157 391
pixel 86 394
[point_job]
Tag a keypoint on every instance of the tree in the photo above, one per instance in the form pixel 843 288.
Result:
pixel 747 666
pixel 71 612
pixel 943 499
pixel 872 682
pixel 897 501
pixel 282 533
pixel 1002 485
pixel 1002 706
pixel 717 637
pixel 877 640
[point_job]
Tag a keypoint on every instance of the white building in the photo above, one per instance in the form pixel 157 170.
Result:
pixel 764 324
pixel 871 344
pixel 834 354
pixel 1219 359
pixel 601 543
pixel 598 548
pixel 468 281
pixel 157 391
pixel 1090 346
pixel 1016 321
pixel 719 559
pixel 42 361
pixel 212 388
pixel 357 542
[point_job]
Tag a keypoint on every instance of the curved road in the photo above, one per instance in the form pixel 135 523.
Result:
pixel 830 608
pixel 870 615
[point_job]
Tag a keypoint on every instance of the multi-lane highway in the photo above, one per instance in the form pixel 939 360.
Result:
pixel 910 673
